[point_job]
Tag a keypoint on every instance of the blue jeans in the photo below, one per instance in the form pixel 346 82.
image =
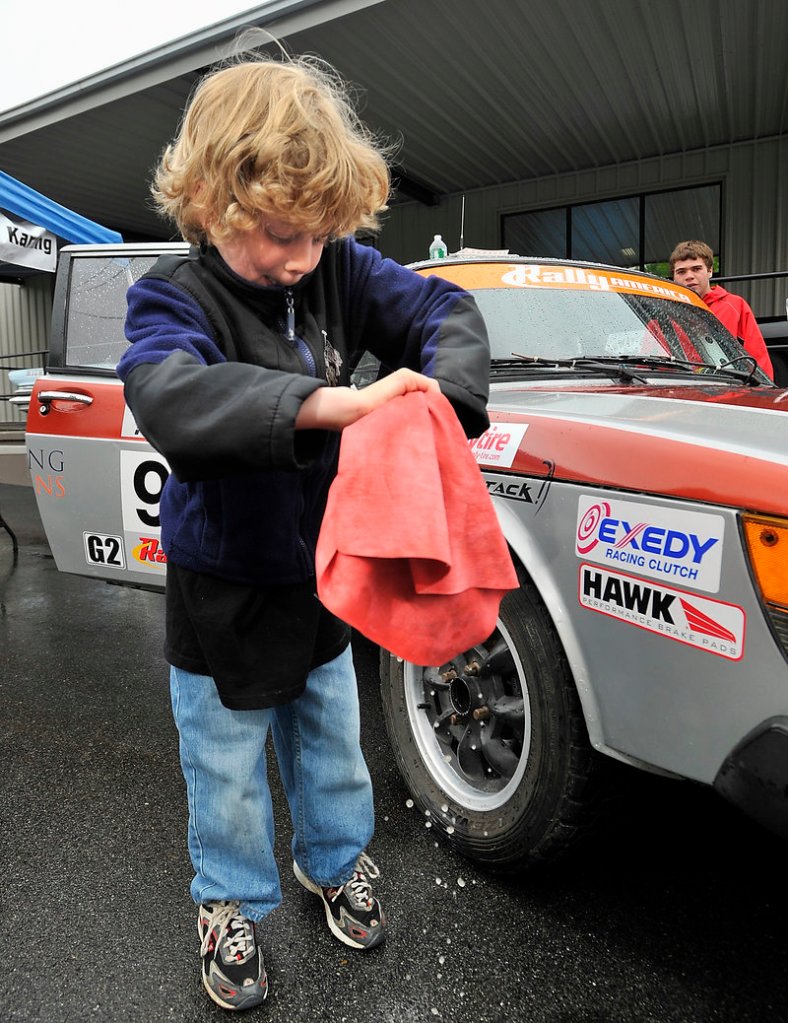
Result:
pixel 328 788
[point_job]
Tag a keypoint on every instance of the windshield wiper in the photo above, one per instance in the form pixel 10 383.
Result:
pixel 623 366
pixel 607 367
pixel 706 368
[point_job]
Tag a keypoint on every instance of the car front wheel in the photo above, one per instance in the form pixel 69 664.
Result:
pixel 492 744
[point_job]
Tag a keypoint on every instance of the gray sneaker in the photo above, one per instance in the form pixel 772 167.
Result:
pixel 233 973
pixel 353 913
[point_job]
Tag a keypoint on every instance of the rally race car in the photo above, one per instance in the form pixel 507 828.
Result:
pixel 638 464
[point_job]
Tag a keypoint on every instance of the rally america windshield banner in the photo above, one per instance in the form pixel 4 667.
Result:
pixel 26 244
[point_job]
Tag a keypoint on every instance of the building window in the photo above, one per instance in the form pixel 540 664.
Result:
pixel 636 231
pixel 541 233
pixel 606 232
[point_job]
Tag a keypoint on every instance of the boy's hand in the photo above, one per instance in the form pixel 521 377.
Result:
pixel 334 408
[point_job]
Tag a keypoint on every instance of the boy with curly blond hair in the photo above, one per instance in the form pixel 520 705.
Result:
pixel 238 372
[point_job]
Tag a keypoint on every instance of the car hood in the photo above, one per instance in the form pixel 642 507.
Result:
pixel 714 444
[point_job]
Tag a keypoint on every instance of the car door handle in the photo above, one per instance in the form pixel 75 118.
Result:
pixel 45 397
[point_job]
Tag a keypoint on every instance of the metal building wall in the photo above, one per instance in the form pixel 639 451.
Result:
pixel 25 317
pixel 754 177
pixel 756 233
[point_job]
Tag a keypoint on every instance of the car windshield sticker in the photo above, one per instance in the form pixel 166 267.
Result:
pixel 664 543
pixel 708 625
pixel 473 276
pixel 577 278
pixel 499 445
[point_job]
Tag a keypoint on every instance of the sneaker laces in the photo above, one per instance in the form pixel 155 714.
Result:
pixel 358 887
pixel 233 930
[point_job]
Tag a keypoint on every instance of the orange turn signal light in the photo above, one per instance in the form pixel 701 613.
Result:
pixel 767 547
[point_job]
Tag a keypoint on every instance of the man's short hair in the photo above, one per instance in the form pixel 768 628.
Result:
pixel 692 250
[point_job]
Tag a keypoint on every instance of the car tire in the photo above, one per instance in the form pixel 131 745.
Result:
pixel 493 745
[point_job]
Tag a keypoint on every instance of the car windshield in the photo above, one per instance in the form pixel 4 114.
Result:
pixel 554 323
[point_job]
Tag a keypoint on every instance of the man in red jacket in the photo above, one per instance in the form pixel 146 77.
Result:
pixel 691 264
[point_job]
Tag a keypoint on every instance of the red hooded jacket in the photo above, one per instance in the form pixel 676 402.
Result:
pixel 734 313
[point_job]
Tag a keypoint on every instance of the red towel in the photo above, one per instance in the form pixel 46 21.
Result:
pixel 410 552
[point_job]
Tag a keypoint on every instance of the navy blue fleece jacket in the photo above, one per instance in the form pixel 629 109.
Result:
pixel 215 385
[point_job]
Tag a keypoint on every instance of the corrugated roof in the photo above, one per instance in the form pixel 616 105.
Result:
pixel 480 92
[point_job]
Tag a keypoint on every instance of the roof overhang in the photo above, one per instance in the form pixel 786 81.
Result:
pixel 282 18
pixel 473 93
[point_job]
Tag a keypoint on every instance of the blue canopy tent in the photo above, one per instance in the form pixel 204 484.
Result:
pixel 32 227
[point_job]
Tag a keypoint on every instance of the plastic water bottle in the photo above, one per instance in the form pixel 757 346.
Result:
pixel 438 248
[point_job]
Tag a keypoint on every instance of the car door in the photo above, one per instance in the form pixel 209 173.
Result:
pixel 96 479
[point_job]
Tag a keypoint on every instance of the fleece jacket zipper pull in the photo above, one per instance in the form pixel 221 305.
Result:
pixel 290 302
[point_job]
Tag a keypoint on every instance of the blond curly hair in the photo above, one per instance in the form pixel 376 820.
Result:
pixel 276 138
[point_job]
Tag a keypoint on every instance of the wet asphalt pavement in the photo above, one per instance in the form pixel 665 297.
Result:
pixel 675 913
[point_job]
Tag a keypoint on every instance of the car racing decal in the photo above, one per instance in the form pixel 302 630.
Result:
pixel 517 488
pixel 666 544
pixel 149 553
pixel 47 470
pixel 708 625
pixel 128 428
pixel 575 278
pixel 535 275
pixel 499 445
pixel 102 549
pixel 142 476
